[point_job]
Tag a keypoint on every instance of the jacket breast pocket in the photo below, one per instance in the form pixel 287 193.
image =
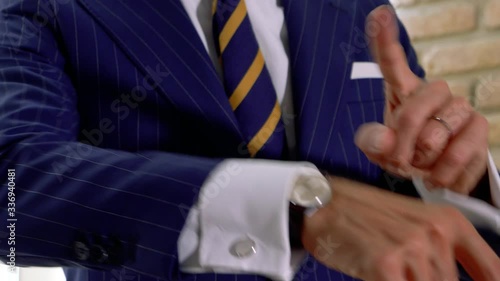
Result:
pixel 363 90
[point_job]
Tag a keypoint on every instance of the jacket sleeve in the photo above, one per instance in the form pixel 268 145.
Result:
pixel 77 204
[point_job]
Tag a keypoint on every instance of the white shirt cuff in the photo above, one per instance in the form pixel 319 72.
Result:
pixel 480 213
pixel 494 181
pixel 243 203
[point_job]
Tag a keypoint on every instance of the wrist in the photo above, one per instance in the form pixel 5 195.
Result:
pixel 309 194
pixel 315 225
pixel 319 224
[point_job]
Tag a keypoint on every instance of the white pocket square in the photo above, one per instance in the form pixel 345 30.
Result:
pixel 365 70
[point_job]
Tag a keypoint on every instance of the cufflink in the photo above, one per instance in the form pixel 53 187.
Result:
pixel 81 251
pixel 311 192
pixel 244 248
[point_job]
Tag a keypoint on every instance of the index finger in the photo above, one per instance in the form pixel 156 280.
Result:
pixel 383 32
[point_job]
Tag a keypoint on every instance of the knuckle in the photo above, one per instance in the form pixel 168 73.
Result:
pixel 386 260
pixel 462 102
pixel 449 219
pixel 437 229
pixel 408 117
pixel 441 87
pixel 442 181
pixel 433 143
pixel 461 107
pixel 481 121
pixel 451 213
pixel 466 105
pixel 455 158
pixel 416 245
pixel 427 144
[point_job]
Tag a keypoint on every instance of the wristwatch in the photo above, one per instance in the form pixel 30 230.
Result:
pixel 309 193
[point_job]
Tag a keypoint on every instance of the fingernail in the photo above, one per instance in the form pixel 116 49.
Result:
pixel 377 146
pixel 397 161
pixel 404 171
pixel 399 170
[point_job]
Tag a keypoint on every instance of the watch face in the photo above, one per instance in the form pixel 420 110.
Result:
pixel 311 191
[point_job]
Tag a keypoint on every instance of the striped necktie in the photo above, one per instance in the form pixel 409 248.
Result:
pixel 247 81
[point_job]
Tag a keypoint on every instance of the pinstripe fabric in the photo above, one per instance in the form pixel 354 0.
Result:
pixel 112 114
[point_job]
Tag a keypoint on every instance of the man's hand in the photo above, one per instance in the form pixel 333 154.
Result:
pixel 451 154
pixel 376 235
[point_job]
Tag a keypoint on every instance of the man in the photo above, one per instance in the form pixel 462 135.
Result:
pixel 134 137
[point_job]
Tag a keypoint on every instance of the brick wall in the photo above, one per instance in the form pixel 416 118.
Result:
pixel 459 40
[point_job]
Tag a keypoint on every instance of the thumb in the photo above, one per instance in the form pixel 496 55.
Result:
pixel 375 140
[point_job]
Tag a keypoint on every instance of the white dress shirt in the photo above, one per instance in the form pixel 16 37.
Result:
pixel 247 200
pixel 243 205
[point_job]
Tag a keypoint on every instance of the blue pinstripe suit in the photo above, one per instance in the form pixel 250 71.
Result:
pixel 113 115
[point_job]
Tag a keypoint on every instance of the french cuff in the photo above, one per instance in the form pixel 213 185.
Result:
pixel 242 212
pixel 494 181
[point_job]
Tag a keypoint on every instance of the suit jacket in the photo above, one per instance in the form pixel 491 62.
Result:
pixel 112 115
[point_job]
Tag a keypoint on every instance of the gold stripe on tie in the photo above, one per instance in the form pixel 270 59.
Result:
pixel 232 25
pixel 248 81
pixel 265 132
pixel 214 7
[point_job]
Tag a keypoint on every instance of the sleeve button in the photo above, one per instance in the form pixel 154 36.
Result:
pixel 99 254
pixel 81 251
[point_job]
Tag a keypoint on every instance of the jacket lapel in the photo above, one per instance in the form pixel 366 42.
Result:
pixel 318 30
pixel 158 36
